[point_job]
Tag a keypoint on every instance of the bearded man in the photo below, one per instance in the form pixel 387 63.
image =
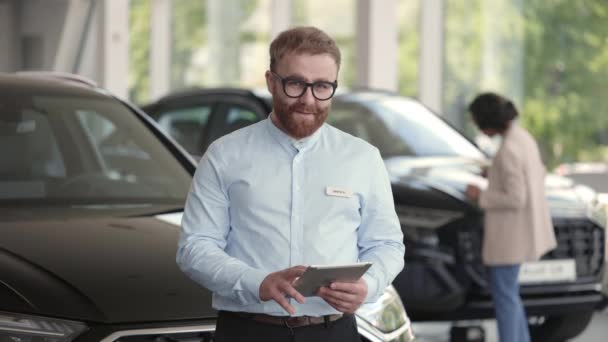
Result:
pixel 287 192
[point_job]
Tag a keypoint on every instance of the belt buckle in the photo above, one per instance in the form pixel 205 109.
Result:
pixel 297 321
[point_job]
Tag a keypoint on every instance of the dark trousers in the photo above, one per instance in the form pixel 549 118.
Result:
pixel 232 328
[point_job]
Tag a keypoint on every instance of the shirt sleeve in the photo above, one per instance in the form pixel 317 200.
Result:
pixel 511 192
pixel 380 237
pixel 204 230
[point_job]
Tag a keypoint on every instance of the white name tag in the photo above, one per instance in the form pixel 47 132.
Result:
pixel 333 191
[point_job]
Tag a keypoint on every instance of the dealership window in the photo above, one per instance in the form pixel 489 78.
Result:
pixel 408 21
pixel 551 57
pixel 319 14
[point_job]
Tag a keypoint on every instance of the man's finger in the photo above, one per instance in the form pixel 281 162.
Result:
pixel 293 293
pixel 344 287
pixel 285 305
pixel 294 272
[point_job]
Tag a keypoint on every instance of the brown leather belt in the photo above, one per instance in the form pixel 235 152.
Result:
pixel 288 321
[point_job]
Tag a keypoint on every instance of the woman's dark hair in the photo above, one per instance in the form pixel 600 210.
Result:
pixel 492 111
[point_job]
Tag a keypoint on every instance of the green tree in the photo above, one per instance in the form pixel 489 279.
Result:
pixel 566 77
pixel 139 50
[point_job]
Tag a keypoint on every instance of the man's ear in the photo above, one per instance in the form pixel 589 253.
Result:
pixel 269 83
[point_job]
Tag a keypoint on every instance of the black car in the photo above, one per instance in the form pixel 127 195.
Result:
pixel 430 164
pixel 91 198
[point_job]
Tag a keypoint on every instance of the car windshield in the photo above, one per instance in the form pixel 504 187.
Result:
pixel 61 149
pixel 400 127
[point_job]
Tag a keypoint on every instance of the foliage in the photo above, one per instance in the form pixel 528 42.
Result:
pixel 408 47
pixel 188 33
pixel 139 50
pixel 564 68
pixel 566 77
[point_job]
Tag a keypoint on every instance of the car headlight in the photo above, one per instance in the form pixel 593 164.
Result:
pixel 425 218
pixel 385 319
pixel 20 328
pixel 421 224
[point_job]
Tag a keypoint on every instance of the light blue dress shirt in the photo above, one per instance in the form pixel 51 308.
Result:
pixel 259 203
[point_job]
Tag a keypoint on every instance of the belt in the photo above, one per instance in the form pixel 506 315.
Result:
pixel 288 321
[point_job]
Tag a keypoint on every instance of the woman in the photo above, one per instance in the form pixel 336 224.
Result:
pixel 517 225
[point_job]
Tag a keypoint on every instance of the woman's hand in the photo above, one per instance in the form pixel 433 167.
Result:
pixel 473 192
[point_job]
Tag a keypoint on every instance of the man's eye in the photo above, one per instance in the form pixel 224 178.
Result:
pixel 323 86
pixel 295 83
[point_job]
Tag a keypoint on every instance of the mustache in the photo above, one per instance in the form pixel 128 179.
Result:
pixel 302 108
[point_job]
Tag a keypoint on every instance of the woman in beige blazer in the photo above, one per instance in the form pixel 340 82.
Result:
pixel 517 223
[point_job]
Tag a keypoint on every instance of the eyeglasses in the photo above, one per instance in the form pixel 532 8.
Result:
pixel 295 87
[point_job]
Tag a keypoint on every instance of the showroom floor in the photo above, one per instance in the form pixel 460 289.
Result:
pixel 439 332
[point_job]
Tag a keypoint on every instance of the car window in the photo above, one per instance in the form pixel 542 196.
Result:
pixel 85 150
pixel 400 127
pixel 236 117
pixel 28 153
pixel 186 126
pixel 361 122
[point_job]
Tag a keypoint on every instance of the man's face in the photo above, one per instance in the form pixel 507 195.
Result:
pixel 300 117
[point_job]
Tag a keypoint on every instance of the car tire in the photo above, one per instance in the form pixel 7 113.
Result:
pixel 559 328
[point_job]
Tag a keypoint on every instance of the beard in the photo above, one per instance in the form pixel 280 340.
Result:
pixel 299 125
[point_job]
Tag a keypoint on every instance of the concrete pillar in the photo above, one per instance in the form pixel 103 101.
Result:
pixel 113 46
pixel 224 19
pixel 430 81
pixel 160 48
pixel 281 13
pixel 73 35
pixel 9 55
pixel 377 44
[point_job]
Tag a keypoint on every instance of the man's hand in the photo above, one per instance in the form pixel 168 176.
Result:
pixel 278 286
pixel 345 297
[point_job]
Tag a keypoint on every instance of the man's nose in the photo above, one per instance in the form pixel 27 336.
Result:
pixel 308 97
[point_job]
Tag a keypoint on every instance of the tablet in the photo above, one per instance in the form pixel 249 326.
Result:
pixel 317 276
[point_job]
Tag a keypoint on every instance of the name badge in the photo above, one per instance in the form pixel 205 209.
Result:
pixel 337 192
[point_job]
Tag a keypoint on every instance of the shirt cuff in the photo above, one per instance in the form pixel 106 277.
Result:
pixel 251 281
pixel 372 288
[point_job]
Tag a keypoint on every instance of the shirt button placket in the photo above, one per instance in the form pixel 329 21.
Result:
pixel 296 225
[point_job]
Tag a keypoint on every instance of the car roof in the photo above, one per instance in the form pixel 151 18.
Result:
pixel 47 83
pixel 193 92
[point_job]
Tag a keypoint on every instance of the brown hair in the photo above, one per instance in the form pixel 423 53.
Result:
pixel 303 39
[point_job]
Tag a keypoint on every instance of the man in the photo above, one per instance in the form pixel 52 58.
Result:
pixel 287 192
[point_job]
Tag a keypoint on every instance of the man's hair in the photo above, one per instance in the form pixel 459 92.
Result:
pixel 493 111
pixel 303 40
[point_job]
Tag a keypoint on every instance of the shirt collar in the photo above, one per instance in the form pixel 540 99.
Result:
pixel 289 142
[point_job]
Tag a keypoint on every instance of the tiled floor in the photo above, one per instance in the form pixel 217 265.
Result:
pixel 597 331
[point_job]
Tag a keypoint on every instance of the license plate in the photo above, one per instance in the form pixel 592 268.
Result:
pixel 548 271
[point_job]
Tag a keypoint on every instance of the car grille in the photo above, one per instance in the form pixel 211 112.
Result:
pixel 578 239
pixel 583 241
pixel 200 333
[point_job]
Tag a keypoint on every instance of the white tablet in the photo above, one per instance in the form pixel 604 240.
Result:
pixel 317 276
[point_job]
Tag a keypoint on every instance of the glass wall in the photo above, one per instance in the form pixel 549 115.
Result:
pixel 408 15
pixel 318 13
pixel 220 42
pixel 550 57
pixel 139 50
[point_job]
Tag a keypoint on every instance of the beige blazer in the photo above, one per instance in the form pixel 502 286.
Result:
pixel 518 224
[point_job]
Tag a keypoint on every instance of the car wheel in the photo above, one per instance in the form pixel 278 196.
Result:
pixel 558 328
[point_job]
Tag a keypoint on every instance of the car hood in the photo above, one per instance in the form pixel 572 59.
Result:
pixel 99 269
pixel 449 176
